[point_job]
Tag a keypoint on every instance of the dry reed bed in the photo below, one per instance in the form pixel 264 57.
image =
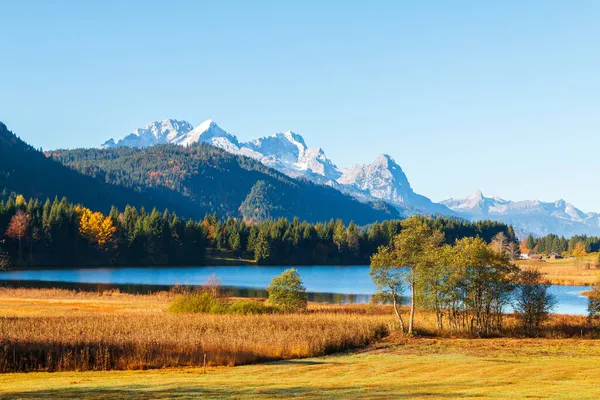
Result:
pixel 122 331
pixel 558 326
pixel 105 342
pixel 56 293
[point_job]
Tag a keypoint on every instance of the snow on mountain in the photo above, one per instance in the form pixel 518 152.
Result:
pixel 209 132
pixel 528 216
pixel 475 204
pixel 157 132
pixel 285 151
pixel 288 153
pixel 383 179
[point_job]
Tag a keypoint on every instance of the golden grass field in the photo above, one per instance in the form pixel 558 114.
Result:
pixel 568 271
pixel 61 330
pixel 421 368
pixel 395 366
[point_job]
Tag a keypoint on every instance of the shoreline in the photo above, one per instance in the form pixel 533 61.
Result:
pixel 562 280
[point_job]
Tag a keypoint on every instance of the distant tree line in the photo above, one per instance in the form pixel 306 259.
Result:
pixel 59 233
pixel 284 242
pixel 576 245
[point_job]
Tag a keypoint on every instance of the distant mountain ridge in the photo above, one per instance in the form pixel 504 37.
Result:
pixel 158 132
pixel 528 216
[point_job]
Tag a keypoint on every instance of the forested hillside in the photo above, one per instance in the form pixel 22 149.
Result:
pixel 219 182
pixel 27 171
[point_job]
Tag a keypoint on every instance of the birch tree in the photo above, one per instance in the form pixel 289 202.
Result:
pixel 413 252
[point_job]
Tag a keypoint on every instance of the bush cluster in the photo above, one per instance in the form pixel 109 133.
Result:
pixel 206 303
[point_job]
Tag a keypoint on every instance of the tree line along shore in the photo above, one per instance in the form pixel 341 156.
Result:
pixel 58 233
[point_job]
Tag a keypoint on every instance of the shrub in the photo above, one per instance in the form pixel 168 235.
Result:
pixel 533 302
pixel 3 261
pixel 287 292
pixel 250 307
pixel 206 303
pixel 594 303
pixel 195 302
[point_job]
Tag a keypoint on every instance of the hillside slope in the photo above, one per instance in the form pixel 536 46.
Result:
pixel 215 180
pixel 27 171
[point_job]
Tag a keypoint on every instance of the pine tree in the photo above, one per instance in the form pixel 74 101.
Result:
pixel 530 243
pixel 252 238
pixel 339 234
pixel 235 243
pixel 352 239
pixel 262 249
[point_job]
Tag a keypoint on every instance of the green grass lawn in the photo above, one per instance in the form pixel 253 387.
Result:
pixel 495 368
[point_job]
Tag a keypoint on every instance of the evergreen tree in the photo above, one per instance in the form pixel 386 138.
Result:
pixel 352 238
pixel 339 235
pixel 530 243
pixel 262 250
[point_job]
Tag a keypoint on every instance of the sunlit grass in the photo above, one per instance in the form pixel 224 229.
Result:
pixel 114 331
pixel 415 368
pixel 581 271
pixel 137 332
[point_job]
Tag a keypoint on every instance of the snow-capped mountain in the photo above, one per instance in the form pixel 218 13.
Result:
pixel 209 132
pixel 528 216
pixel 288 153
pixel 383 179
pixel 167 131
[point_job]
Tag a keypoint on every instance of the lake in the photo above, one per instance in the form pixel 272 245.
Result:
pixel 332 284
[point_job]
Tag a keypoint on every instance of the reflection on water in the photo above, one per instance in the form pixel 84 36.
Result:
pixel 329 284
pixel 331 298
pixel 317 279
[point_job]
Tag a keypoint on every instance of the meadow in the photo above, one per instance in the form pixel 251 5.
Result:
pixel 110 344
pixel 431 368
pixel 580 271
pixel 59 330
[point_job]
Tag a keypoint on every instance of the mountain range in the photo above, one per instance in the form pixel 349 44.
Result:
pixel 528 216
pixel 191 181
pixel 288 153
pixel 382 180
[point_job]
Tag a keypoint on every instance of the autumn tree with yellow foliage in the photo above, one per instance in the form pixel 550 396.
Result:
pixel 94 226
pixel 579 250
pixel 20 201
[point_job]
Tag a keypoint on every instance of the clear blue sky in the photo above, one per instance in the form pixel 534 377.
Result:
pixel 502 96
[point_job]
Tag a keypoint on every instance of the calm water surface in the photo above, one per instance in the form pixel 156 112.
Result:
pixel 334 284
